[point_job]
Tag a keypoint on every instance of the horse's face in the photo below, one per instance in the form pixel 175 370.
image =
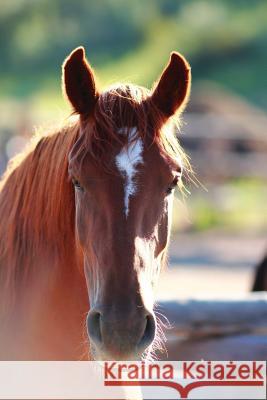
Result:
pixel 122 218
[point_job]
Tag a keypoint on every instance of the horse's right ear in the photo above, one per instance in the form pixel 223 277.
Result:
pixel 79 82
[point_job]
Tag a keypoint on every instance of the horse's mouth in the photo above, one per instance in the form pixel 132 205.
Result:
pixel 101 355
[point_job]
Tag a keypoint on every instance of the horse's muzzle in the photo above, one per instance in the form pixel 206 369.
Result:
pixel 116 335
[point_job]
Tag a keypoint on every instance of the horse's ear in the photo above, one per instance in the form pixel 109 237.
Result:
pixel 79 82
pixel 173 88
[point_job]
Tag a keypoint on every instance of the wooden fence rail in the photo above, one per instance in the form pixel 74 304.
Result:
pixel 217 328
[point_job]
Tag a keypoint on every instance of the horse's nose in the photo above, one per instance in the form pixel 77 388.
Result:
pixel 119 335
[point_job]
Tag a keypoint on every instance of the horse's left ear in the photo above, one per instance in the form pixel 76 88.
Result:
pixel 173 88
pixel 79 82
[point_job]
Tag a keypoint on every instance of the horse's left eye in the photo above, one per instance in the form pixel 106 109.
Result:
pixel 173 185
pixel 77 184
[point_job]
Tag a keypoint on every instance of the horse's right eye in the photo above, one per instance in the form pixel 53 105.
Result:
pixel 77 184
pixel 173 185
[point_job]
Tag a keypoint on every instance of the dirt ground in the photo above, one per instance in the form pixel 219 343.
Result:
pixel 211 265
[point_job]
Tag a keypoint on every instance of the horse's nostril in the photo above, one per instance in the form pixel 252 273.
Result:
pixel 149 332
pixel 93 326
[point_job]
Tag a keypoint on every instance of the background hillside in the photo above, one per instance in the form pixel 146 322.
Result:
pixel 225 41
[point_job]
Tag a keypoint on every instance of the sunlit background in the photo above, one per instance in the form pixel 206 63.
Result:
pixel 219 230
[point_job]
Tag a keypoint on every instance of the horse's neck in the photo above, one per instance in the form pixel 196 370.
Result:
pixel 47 320
pixel 40 265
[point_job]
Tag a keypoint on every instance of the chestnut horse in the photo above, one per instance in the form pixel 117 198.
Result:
pixel 85 220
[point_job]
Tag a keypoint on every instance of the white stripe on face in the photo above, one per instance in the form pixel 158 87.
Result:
pixel 127 161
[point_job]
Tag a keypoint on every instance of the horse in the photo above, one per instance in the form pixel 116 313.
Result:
pixel 85 216
pixel 260 279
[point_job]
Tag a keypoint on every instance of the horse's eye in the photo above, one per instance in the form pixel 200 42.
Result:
pixel 77 184
pixel 173 185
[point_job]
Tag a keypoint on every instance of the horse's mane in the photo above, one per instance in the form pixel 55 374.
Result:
pixel 37 209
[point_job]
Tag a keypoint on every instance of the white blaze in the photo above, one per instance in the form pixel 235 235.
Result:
pixel 127 161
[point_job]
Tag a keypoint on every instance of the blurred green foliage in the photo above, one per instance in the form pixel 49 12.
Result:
pixel 237 205
pixel 224 40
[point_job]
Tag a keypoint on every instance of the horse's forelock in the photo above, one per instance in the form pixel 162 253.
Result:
pixel 127 106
